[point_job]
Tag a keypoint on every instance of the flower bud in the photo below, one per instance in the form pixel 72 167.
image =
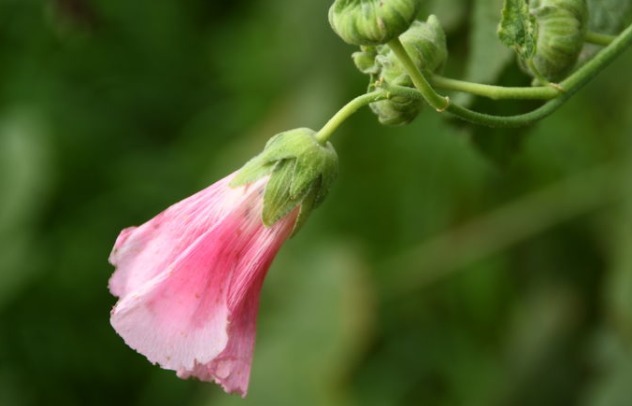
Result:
pixel 372 22
pixel 561 29
pixel 425 42
pixel 301 173
pixel 364 60
pixel 396 110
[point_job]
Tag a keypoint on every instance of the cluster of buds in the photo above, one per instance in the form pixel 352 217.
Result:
pixel 425 42
pixel 371 25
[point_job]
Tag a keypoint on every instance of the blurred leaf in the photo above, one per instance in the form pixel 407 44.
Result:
pixel 542 328
pixel 618 291
pixel 609 16
pixel 451 13
pixel 25 177
pixel 613 367
pixel 487 56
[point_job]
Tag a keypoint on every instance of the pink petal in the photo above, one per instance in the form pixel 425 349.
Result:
pixel 141 252
pixel 189 283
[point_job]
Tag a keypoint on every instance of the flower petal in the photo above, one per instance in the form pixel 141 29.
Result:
pixel 141 253
pixel 189 282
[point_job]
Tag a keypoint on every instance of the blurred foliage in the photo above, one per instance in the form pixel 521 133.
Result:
pixel 112 110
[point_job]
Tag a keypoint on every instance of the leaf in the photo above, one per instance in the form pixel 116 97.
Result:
pixel 619 282
pixel 609 16
pixel 24 184
pixel 517 28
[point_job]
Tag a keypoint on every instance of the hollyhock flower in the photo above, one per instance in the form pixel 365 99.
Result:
pixel 188 280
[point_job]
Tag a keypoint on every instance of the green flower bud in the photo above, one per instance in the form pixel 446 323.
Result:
pixel 561 28
pixel 372 22
pixel 301 173
pixel 397 110
pixel 425 42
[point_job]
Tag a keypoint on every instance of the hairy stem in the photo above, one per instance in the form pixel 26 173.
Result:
pixel 495 92
pixel 599 39
pixel 568 87
pixel 438 102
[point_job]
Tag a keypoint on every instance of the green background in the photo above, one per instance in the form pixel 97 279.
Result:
pixel 450 265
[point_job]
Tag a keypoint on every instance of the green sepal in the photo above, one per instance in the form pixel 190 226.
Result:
pixel 364 60
pixel 278 201
pixel 301 173
pixel 517 28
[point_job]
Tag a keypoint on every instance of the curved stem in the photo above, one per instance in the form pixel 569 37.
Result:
pixel 346 111
pixel 569 86
pixel 599 39
pixel 495 92
pixel 440 103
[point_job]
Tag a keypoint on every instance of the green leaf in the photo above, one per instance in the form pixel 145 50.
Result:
pixel 517 28
pixel 25 180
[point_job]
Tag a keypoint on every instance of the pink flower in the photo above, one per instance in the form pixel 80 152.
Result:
pixel 188 282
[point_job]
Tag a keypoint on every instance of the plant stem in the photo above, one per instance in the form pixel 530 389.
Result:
pixel 495 92
pixel 569 87
pixel 440 103
pixel 599 39
pixel 346 111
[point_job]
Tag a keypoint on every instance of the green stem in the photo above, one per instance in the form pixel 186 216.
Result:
pixel 440 103
pixel 495 92
pixel 346 111
pixel 569 87
pixel 599 39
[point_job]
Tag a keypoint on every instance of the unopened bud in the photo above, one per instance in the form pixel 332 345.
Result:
pixel 372 22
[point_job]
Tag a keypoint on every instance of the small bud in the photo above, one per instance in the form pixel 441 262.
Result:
pixel 364 60
pixel 301 173
pixel 425 42
pixel 561 29
pixel 397 110
pixel 372 22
